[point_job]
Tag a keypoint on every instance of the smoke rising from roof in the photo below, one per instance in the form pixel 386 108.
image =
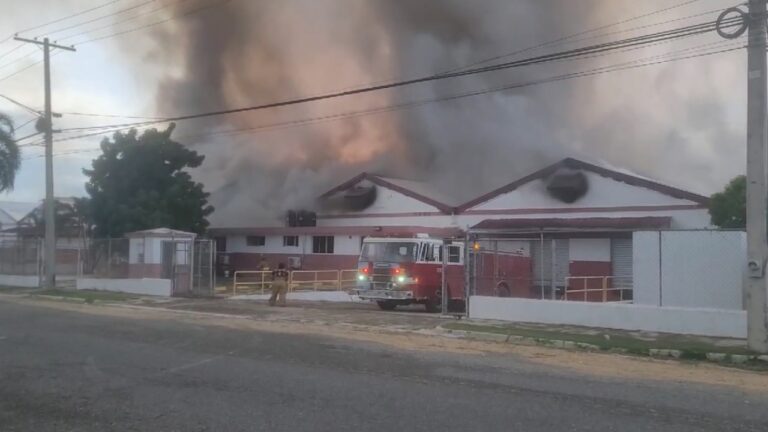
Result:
pixel 250 52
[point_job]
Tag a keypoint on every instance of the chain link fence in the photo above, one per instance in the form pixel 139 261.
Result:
pixel 685 268
pixel 188 264
pixel 20 257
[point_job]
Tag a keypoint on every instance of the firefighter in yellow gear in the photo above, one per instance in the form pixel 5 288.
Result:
pixel 279 286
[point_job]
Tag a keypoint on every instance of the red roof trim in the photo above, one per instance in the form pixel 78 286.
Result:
pixel 577 164
pixel 586 209
pixel 445 208
pixel 646 222
pixel 339 230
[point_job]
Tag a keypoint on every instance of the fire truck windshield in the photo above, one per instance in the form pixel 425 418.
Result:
pixel 389 252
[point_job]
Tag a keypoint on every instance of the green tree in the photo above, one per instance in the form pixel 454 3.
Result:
pixel 728 208
pixel 10 160
pixel 140 182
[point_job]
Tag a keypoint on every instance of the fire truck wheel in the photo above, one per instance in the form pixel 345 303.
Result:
pixel 386 305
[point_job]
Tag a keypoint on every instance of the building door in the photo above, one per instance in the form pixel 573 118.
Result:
pixel 621 265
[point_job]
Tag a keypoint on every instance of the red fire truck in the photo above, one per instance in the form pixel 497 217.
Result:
pixel 402 271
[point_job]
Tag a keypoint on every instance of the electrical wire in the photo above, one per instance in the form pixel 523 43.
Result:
pixel 574 53
pixel 111 25
pixel 103 5
pixel 17 103
pixel 99 18
pixel 27 67
pixel 182 15
pixel 727 46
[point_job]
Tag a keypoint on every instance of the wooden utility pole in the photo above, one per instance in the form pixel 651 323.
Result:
pixel 50 212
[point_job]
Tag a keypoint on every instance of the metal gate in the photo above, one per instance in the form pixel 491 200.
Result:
pixel 189 266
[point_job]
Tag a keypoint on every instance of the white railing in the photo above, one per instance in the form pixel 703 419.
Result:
pixel 314 280
pixel 256 280
pixel 608 289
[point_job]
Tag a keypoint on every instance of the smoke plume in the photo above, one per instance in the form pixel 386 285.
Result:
pixel 660 121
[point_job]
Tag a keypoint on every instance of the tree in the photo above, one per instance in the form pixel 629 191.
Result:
pixel 728 208
pixel 10 160
pixel 140 182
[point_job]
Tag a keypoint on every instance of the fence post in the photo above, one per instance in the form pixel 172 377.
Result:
pixel 585 289
pixel 605 289
pixel 234 284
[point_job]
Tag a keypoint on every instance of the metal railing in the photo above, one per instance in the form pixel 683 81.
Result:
pixel 314 280
pixel 348 279
pixel 259 280
pixel 252 281
pixel 605 288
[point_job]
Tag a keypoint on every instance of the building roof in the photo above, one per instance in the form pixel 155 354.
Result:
pixel 417 190
pixel 16 210
pixel 571 163
pixel 595 223
pixel 161 232
pixel 379 231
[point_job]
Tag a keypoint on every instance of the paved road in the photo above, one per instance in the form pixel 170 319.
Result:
pixel 66 371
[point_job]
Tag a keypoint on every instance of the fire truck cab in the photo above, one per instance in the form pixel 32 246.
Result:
pixel 402 271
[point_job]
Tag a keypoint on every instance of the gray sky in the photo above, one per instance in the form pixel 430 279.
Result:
pixel 680 122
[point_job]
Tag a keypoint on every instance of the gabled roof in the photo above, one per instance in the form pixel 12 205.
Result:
pixel 17 210
pixel 571 163
pixel 413 189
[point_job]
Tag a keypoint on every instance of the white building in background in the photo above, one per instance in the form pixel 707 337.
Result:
pixel 598 207
pixel 11 212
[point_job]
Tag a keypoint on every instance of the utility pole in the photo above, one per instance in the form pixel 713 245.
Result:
pixel 757 194
pixel 49 214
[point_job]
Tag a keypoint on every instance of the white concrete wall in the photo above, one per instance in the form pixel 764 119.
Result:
pixel 595 249
pixel 156 287
pixel 700 269
pixel 19 281
pixel 646 276
pixel 603 192
pixel 705 322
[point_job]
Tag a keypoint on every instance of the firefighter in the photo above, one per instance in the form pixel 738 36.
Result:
pixel 279 286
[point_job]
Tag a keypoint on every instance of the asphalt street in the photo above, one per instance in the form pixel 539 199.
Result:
pixel 62 370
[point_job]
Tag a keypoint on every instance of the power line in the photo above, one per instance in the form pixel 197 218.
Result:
pixel 574 53
pixel 17 103
pixel 648 61
pixel 27 67
pixel 182 15
pixel 66 17
pixel 564 38
pixel 99 18
pixel 111 25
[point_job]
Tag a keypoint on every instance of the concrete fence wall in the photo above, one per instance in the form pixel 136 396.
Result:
pixel 158 287
pixel 20 281
pixel 695 321
pixel 691 269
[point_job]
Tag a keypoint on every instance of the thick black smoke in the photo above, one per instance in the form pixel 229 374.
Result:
pixel 251 52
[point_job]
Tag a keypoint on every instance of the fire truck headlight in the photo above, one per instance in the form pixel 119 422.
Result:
pixel 361 277
pixel 401 279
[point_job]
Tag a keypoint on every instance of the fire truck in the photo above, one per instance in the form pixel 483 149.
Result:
pixel 402 271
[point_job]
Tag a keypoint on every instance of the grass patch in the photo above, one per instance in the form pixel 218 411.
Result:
pixel 691 347
pixel 89 296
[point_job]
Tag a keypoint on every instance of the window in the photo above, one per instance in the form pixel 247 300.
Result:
pixel 290 241
pixel 255 240
pixel 428 252
pixel 454 254
pixel 322 244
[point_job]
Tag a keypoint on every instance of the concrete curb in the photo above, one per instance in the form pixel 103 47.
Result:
pixel 566 344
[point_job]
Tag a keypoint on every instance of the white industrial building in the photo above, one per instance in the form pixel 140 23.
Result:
pixel 570 196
